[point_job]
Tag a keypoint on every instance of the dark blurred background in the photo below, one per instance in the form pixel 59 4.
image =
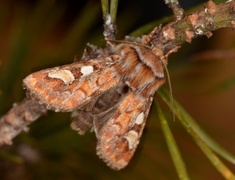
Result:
pixel 36 34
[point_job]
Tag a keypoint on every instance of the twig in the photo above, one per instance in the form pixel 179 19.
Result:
pixel 109 9
pixel 176 8
pixel 18 118
pixel 210 18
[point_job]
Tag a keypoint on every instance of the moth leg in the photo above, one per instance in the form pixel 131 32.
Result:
pixel 93 52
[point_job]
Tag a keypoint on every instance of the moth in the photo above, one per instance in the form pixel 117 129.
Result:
pixel 110 95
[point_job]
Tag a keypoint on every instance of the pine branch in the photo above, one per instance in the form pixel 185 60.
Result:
pixel 18 118
pixel 210 18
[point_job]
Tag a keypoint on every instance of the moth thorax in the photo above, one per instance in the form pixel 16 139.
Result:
pixel 140 67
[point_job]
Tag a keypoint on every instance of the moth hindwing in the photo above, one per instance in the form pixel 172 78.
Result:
pixel 110 95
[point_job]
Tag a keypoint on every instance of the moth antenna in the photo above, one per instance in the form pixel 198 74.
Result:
pixel 129 42
pixel 171 92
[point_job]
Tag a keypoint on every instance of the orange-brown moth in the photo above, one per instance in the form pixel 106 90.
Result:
pixel 109 94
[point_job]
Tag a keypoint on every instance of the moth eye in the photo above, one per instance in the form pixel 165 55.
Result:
pixel 125 89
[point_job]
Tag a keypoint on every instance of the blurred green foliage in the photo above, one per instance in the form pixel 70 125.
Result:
pixel 43 34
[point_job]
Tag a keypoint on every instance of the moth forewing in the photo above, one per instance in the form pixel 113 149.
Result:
pixel 68 87
pixel 119 137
